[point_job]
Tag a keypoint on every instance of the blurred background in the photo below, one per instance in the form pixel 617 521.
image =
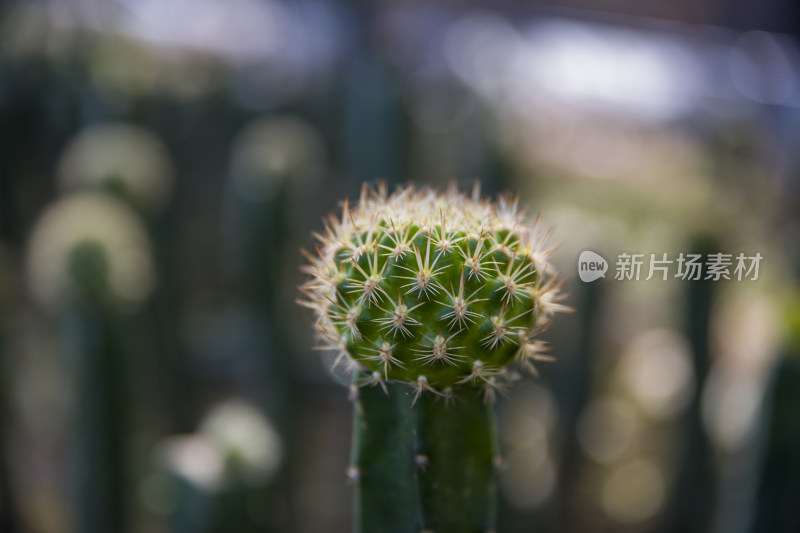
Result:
pixel 162 161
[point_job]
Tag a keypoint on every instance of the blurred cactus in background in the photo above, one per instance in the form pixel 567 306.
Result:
pixel 221 471
pixel 89 264
pixel 779 473
pixel 121 159
pixel 270 158
pixel 131 164
pixel 89 250
pixel 273 160
pixel 441 293
pixel 9 513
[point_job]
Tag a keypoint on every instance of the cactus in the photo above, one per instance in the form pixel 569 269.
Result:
pixel 9 514
pixel 133 164
pixel 431 298
pixel 89 264
pixel 272 158
pixel 218 471
pixel 268 155
pixel 125 160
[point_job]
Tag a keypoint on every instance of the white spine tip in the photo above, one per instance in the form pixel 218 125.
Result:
pixel 353 393
pixel 353 474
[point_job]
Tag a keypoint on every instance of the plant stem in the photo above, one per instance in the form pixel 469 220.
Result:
pixel 386 498
pixel 91 337
pixel 424 465
pixel 457 447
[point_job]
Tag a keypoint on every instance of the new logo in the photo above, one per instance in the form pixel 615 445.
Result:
pixel 591 266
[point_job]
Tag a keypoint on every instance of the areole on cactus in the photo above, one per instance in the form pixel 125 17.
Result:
pixel 434 290
pixel 430 299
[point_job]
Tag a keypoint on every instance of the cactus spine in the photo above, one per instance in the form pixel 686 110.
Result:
pixel 442 293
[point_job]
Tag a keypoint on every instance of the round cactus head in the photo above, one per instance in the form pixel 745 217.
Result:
pixel 88 246
pixel 270 150
pixel 125 160
pixel 435 290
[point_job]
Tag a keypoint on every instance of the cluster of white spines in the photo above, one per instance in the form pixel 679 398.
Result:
pixel 385 230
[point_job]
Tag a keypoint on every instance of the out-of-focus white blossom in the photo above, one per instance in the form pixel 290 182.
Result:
pixel 96 219
pixel 245 439
pixel 271 149
pixel 121 157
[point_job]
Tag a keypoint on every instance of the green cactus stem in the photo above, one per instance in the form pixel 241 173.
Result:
pixel 89 265
pixel 399 443
pixel 431 298
pixel 217 472
pixel 779 482
pixel 383 466
pixel 10 520
pixel 456 455
pixel 93 345
pixel 267 157
pixel 272 158
pixel 688 506
pixel 132 164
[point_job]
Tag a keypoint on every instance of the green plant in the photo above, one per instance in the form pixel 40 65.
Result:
pixel 216 473
pixel 127 161
pixel 89 266
pixel 431 298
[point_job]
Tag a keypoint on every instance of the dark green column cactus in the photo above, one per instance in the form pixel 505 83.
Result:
pixel 431 298
pixel 383 445
pixel 9 514
pixel 132 164
pixel 89 264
